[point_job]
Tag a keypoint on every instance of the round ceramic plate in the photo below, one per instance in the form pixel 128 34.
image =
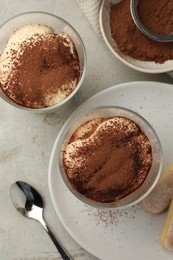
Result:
pixel 119 234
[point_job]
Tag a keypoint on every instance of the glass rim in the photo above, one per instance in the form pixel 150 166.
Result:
pixel 59 143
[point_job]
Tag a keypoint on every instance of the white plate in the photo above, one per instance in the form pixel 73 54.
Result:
pixel 124 234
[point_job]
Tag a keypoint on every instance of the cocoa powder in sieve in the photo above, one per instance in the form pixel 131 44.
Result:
pixel 156 15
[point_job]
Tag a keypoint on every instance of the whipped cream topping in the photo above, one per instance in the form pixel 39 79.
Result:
pixel 14 45
pixel 40 44
pixel 106 159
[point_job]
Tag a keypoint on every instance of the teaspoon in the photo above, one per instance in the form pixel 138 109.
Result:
pixel 30 204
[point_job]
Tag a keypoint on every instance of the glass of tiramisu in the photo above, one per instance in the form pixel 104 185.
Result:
pixel 109 157
pixel 42 61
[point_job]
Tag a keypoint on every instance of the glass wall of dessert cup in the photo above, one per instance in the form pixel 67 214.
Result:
pixel 109 157
pixel 42 62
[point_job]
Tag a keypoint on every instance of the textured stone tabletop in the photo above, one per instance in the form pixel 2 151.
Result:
pixel 26 139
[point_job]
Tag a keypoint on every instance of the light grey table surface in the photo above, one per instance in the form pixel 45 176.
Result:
pixel 26 139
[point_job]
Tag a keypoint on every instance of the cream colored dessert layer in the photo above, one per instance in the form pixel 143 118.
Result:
pixel 14 45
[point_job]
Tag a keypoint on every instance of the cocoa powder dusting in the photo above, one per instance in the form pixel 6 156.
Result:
pixel 44 67
pixel 156 15
pixel 111 163
pixel 110 219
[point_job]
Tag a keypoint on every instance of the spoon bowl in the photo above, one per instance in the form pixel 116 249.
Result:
pixel 30 204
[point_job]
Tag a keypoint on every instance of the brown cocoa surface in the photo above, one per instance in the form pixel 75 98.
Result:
pixel 131 41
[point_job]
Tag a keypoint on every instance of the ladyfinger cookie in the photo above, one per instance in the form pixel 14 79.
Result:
pixel 166 239
pixel 159 199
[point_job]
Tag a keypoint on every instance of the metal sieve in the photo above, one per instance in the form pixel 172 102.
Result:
pixel 143 29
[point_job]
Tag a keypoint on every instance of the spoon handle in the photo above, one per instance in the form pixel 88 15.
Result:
pixel 62 251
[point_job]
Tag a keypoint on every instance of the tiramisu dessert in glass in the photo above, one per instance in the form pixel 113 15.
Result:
pixel 110 157
pixel 42 63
